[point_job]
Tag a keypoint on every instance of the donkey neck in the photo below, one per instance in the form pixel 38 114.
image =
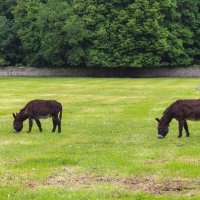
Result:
pixel 166 119
pixel 22 116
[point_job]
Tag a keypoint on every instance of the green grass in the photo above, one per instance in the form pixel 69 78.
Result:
pixel 108 147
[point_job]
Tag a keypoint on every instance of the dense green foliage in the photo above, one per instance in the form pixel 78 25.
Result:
pixel 51 34
pixel 9 41
pixel 129 33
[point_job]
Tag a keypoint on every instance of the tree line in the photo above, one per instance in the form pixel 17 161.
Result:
pixel 98 33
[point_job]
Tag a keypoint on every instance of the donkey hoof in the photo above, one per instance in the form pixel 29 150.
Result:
pixel 187 135
pixel 179 136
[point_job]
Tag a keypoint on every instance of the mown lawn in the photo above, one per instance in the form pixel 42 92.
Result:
pixel 108 148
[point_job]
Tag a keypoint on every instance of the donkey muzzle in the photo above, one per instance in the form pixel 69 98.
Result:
pixel 160 137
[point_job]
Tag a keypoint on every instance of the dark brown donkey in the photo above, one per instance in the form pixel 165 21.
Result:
pixel 35 110
pixel 181 110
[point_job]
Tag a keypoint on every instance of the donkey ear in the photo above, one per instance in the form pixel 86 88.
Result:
pixel 158 120
pixel 14 115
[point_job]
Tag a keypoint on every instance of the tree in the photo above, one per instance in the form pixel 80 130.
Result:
pixel 181 20
pixel 6 42
pixel 9 43
pixel 147 35
pixel 51 34
pixel 112 33
pixel 6 7
pixel 190 19
pixel 124 33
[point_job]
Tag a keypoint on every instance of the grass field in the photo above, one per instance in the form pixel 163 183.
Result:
pixel 108 148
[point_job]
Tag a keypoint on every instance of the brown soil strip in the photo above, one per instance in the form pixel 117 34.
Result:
pixel 69 179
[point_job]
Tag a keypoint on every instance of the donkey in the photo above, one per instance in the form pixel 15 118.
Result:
pixel 181 110
pixel 35 110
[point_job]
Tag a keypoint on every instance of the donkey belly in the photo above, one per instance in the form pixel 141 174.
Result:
pixel 194 117
pixel 42 116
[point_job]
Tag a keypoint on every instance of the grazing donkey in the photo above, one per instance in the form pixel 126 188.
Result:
pixel 181 110
pixel 37 109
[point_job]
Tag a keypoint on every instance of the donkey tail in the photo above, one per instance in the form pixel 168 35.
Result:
pixel 60 116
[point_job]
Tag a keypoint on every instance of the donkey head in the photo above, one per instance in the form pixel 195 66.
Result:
pixel 162 129
pixel 17 123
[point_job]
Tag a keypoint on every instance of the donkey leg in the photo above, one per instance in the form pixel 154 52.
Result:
pixel 30 124
pixel 180 126
pixel 186 129
pixel 54 124
pixel 59 126
pixel 58 123
pixel 38 124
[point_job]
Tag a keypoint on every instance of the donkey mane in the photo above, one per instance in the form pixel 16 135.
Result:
pixel 168 109
pixel 21 111
pixel 167 114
